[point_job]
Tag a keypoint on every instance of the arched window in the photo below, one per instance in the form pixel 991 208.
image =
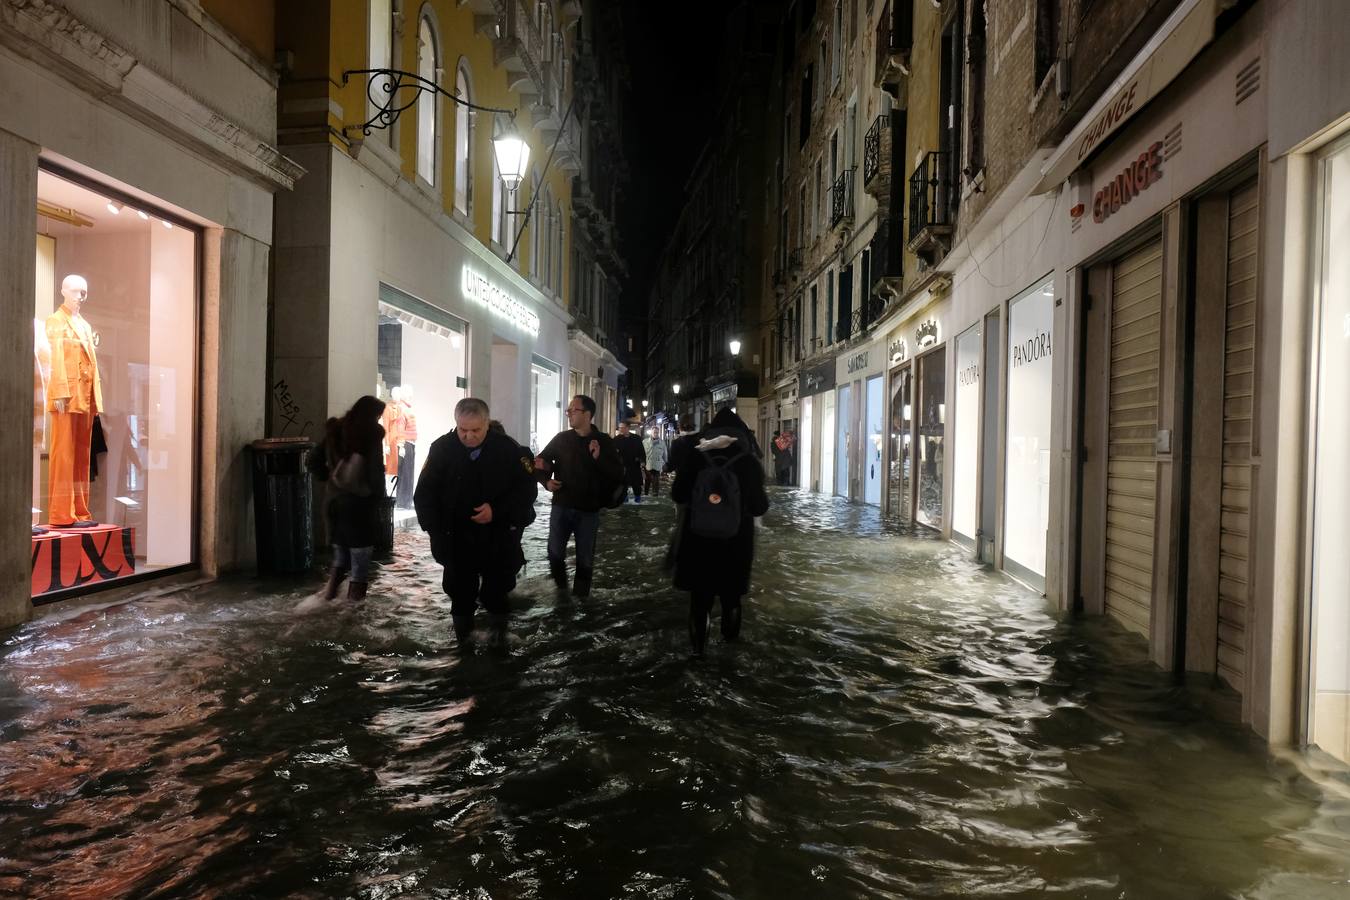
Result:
pixel 538 223
pixel 428 67
pixel 561 221
pixel 499 198
pixel 463 142
pixel 380 53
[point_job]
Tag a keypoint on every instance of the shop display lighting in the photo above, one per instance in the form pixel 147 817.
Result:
pixel 114 207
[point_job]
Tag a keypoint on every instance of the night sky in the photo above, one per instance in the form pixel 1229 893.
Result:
pixel 672 55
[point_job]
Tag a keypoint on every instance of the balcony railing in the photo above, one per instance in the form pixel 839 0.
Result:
pixel 872 150
pixel 895 38
pixel 841 194
pixel 932 197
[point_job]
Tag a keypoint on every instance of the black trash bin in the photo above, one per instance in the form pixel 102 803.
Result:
pixel 283 506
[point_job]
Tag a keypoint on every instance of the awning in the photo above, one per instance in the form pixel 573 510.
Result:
pixel 1162 59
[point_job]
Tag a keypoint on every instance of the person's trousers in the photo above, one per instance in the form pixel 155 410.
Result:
pixel 407 467
pixel 354 559
pixel 472 579
pixel 653 482
pixel 563 522
pixel 702 601
pixel 634 476
pixel 68 468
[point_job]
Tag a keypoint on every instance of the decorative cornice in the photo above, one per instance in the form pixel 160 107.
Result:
pixel 50 35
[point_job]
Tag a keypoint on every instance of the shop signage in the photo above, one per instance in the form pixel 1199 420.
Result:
pixel 818 378
pixel 897 351
pixel 857 362
pixel 477 288
pixel 723 394
pixel 969 376
pixel 926 335
pixel 1033 349
pixel 1136 178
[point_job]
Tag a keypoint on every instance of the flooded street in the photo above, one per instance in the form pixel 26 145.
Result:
pixel 896 722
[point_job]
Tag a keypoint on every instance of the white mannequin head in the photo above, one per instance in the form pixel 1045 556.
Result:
pixel 407 394
pixel 396 394
pixel 75 291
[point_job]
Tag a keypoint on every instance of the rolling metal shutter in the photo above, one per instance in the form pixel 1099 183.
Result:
pixel 1131 468
pixel 1238 368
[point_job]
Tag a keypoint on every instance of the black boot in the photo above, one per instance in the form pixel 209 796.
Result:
pixel 557 570
pixel 463 628
pixel 356 590
pixel 334 582
pixel 497 623
pixel 731 622
pixel 698 632
pixel 582 586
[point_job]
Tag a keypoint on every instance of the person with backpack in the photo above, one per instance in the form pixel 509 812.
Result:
pixel 722 483
pixel 583 471
pixel 475 496
pixel 350 460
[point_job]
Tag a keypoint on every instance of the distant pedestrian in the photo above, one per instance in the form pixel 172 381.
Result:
pixel 351 461
pixel 582 469
pixel 634 457
pixel 784 456
pixel 722 485
pixel 474 497
pixel 657 453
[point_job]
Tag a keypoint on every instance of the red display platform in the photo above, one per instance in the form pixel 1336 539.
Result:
pixel 68 558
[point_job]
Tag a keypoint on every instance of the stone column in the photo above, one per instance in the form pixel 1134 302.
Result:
pixel 18 260
pixel 234 393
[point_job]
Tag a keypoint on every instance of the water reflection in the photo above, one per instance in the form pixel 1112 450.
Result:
pixel 898 723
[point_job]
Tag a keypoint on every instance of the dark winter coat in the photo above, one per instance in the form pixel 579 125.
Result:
pixel 634 457
pixel 680 448
pixel 584 479
pixel 453 484
pixel 352 521
pixel 720 565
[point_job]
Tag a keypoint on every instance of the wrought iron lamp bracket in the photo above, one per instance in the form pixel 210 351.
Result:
pixel 385 87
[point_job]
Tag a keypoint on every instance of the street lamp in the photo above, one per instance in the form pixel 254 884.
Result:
pixel 644 404
pixel 735 347
pixel 676 389
pixel 513 155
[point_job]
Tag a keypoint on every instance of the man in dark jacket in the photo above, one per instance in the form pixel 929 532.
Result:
pixel 634 457
pixel 579 467
pixel 718 567
pixel 475 495
pixel 683 445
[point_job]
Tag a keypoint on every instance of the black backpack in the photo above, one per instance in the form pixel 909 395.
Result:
pixel 715 507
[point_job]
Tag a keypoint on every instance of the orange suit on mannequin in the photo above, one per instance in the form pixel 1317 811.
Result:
pixel 74 396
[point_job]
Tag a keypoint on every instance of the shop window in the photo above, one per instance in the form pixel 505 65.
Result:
pixel 965 475
pixel 463 142
pixel 932 436
pixel 1027 478
pixel 546 398
pixel 114 388
pixel 900 481
pixel 421 375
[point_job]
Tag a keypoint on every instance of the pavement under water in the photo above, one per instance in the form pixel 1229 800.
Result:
pixel 897 721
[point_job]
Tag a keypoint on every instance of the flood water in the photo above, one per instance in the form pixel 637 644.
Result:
pixel 896 722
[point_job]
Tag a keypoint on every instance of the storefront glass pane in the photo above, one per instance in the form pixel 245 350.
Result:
pixel 421 376
pixel 969 347
pixel 902 443
pixel 844 440
pixel 932 432
pixel 826 481
pixel 872 442
pixel 545 402
pixel 114 389
pixel 1026 516
pixel 804 445
pixel 1330 703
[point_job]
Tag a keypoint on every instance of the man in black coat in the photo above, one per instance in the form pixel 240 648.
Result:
pixel 713 568
pixel 634 457
pixel 475 495
pixel 579 467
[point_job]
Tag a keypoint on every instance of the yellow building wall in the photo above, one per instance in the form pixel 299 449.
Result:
pixel 924 114
pixel 458 40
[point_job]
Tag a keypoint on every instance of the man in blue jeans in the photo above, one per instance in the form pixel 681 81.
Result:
pixel 578 467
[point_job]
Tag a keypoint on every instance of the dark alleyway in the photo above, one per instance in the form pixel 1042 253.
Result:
pixel 897 723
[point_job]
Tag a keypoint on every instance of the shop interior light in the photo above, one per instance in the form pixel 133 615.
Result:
pixel 908 410
pixel 513 155
pixel 143 214
pixel 114 207
pixel 166 223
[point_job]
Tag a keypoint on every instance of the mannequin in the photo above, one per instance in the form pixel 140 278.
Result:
pixel 74 397
pixel 407 449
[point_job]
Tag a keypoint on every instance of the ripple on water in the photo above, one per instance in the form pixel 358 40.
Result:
pixel 898 722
